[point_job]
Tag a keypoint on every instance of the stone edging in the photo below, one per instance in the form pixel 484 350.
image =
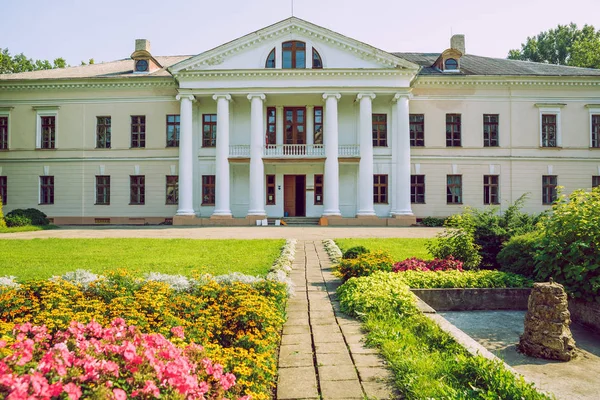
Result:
pixel 332 249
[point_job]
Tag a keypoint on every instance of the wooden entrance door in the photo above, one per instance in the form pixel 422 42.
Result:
pixel 295 125
pixel 294 195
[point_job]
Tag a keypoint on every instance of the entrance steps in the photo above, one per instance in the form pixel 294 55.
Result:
pixel 297 221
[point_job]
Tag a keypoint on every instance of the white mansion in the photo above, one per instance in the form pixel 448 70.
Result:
pixel 295 120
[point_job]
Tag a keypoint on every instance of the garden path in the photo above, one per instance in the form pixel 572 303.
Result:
pixel 322 355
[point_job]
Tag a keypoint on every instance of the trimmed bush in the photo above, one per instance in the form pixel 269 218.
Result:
pixel 364 265
pixel 518 254
pixel 354 252
pixel 468 279
pixel 416 264
pixel 24 217
pixel 433 221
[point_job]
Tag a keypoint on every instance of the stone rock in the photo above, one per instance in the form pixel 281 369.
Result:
pixel 547 334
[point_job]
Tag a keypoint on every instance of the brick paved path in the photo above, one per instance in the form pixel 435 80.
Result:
pixel 322 355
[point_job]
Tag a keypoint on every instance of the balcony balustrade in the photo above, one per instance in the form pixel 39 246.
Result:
pixel 348 150
pixel 294 151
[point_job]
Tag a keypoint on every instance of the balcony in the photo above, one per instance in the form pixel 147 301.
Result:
pixel 349 151
pixel 294 151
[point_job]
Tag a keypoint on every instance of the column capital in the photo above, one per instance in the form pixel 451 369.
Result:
pixel 259 95
pixel 186 96
pixel 225 96
pixel 337 96
pixel 360 96
pixel 399 96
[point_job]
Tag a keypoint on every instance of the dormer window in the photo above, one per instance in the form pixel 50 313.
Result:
pixel 294 55
pixel 451 64
pixel 141 66
pixel 317 63
pixel 270 63
pixel 143 62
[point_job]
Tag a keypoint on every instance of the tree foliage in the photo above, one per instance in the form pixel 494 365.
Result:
pixel 564 45
pixel 20 63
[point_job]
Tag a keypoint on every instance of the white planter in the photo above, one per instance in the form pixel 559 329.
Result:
pixel 277 222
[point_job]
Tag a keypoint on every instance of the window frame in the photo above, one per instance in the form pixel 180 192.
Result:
pixel 489 186
pixel 137 183
pixel 208 182
pixel 452 198
pixel 107 132
pixel 549 191
pixel 270 189
pixel 595 128
pixel 451 136
pixel 488 130
pixel 274 53
pixel 46 196
pixel 318 189
pixel 3 190
pixel 316 131
pixel 138 132
pixel 453 67
pixel 172 182
pixel 417 189
pixel 43 112
pixel 595 181
pixel 294 50
pixel 4 131
pixel 210 141
pixel 105 186
pixel 415 141
pixel 380 189
pixel 176 124
pixel 271 122
pixel 379 135
pixel 550 109
pixel 318 56
pixel 545 140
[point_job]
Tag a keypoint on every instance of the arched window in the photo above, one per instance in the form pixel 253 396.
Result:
pixel 270 63
pixel 450 64
pixel 293 55
pixel 317 62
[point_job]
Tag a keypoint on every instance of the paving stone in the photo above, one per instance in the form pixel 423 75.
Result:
pixel 320 305
pixel 325 359
pixel 297 321
pixel 374 374
pixel 368 360
pixel 322 321
pixel 341 390
pixel 297 307
pixel 360 348
pixel 296 314
pixel 300 338
pixel 327 337
pixel 296 360
pixel 351 329
pixel 337 373
pixel 354 338
pixel 379 390
pixel 295 329
pixel 297 383
pixel 322 315
pixel 294 349
pixel 331 347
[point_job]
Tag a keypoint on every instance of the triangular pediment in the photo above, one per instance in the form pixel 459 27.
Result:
pixel 250 51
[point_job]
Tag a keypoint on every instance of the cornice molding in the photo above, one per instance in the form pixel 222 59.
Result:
pixel 68 84
pixel 279 73
pixel 505 81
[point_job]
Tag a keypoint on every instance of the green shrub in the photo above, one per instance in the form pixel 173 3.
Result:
pixel 570 245
pixel 468 279
pixel 30 216
pixel 2 222
pixel 457 241
pixel 355 251
pixel 433 221
pixel 364 265
pixel 518 254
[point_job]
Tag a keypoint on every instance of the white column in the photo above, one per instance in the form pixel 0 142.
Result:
pixel 310 124
pixel 257 170
pixel 222 207
pixel 186 156
pixel 279 124
pixel 330 140
pixel 402 156
pixel 365 167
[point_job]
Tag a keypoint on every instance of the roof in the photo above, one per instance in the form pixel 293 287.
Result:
pixel 114 69
pixel 486 66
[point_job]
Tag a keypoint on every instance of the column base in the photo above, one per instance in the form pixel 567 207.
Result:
pixel 221 216
pixel 257 213
pixel 402 220
pixel 366 214
pixel 333 213
pixel 185 212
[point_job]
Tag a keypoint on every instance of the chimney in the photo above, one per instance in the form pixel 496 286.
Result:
pixel 142 45
pixel 457 42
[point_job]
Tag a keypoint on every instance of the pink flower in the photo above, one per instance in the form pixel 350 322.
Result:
pixel 119 394
pixel 73 391
pixel 177 331
pixel 150 388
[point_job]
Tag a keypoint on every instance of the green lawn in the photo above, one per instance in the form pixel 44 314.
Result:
pixel 400 249
pixel 28 228
pixel 43 258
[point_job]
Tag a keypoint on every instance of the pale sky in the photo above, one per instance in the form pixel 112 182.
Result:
pixel 106 29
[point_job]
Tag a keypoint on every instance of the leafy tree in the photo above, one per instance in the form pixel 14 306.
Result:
pixel 564 45
pixel 20 63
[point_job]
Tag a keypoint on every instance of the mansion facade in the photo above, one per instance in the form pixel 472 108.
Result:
pixel 295 120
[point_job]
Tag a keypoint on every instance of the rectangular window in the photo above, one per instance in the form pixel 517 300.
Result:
pixel 48 132
pixel 209 130
pixel 208 190
pixel 270 190
pixel 137 189
pixel 549 194
pixel 491 194
pixel 103 132
pixel 595 181
pixel 102 190
pixel 271 137
pixel 380 130
pixel 172 192
pixel 3 133
pixel 318 190
pixel 453 130
pixel 490 130
pixel 318 137
pixel 596 131
pixel 380 189
pixel 3 190
pixel 417 189
pixel 173 130
pixel 454 189
pixel 138 131
pixel 417 130
pixel 549 130
pixel 46 190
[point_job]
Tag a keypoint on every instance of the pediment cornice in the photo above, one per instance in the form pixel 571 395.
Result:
pixel 291 73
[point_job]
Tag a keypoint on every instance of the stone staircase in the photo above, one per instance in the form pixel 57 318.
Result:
pixel 297 221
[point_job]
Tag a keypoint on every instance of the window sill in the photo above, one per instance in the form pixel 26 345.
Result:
pixel 171 147
pixel 44 149
pixel 454 146
pixel 137 204
pixel 102 148
pixel 137 148
pixel 594 148
pixel 102 204
pixel 207 204
pixel 420 145
pixel 45 204
pixel 454 204
pixel 550 147
pixel 417 203
pixel 171 204
pixel 491 204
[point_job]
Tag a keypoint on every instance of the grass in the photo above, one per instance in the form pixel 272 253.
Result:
pixel 28 228
pixel 43 258
pixel 399 249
